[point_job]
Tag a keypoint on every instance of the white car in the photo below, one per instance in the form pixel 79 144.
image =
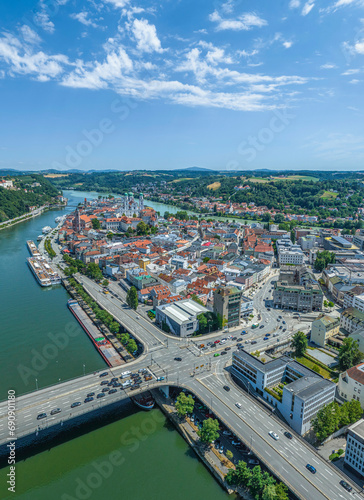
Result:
pixel 247 341
pixel 274 435
pixel 238 405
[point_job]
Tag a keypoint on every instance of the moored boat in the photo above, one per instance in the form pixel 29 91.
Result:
pixel 145 401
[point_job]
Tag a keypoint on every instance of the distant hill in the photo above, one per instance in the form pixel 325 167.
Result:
pixel 195 169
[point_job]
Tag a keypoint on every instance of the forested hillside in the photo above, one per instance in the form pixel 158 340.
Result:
pixel 16 202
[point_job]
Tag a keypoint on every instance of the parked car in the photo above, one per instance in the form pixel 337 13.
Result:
pixel 253 461
pixel 254 342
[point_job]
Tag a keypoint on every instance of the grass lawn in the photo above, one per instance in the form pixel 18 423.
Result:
pixel 310 364
pixel 214 186
pixel 327 195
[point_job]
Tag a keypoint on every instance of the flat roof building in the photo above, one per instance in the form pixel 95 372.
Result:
pixel 180 318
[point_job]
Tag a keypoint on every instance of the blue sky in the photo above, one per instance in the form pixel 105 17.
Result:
pixel 236 84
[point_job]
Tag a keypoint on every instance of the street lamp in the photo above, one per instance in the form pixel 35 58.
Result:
pixel 83 370
pixel 36 383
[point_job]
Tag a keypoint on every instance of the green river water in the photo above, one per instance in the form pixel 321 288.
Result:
pixel 139 457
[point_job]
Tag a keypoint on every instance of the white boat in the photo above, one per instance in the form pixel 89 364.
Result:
pixel 46 229
pixel 40 237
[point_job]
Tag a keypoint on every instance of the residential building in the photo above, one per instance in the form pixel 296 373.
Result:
pixel 298 290
pixel 297 392
pixel 323 328
pixel 354 453
pixel 351 384
pixel 180 318
pixel 227 304
pixel 358 302
pixel 351 320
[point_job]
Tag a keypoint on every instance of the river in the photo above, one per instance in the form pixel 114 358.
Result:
pixel 157 465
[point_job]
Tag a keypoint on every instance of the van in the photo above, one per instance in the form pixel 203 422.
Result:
pixel 126 384
pixel 125 374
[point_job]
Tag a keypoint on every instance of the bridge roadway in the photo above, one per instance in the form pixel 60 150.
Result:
pixel 251 423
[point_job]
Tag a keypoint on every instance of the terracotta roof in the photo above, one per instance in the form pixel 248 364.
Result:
pixel 356 374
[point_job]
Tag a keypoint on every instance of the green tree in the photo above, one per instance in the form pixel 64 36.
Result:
pixel 229 454
pixel 196 299
pixel 209 430
pixel 355 410
pixel 279 218
pixel 326 421
pixel 109 236
pixel 132 298
pixel 240 476
pixel 281 491
pixel 326 304
pixel 205 259
pixel 185 404
pixel 124 338
pixel 269 492
pixel 299 343
pixel 266 217
pixel 131 346
pixel 95 223
pixel 114 327
pixel 105 283
pixel 93 271
pixel 202 323
pixel 349 354
pixel 331 304
pixel 142 228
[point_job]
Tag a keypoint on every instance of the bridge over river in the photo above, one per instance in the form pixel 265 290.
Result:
pixel 198 372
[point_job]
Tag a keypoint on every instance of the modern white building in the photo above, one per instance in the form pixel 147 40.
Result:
pixel 294 257
pixel 358 302
pixel 297 392
pixel 351 384
pixel 180 317
pixel 354 453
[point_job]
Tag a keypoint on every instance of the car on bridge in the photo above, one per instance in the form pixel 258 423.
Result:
pixel 274 435
pixel 178 359
pixel 41 415
pixel 90 394
pixel 104 374
pixel 216 354
pixel 346 485
pixel 55 411
pixel 87 400
pixel 101 395
pixel 159 379
pixel 105 382
pixel 77 403
pixel 311 468
pixel 112 391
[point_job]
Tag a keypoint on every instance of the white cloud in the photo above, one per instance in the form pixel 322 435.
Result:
pixel 22 60
pixel 328 66
pixel 294 4
pixel 244 22
pixel 101 75
pixel 82 17
pixel 146 36
pixel 354 81
pixel 359 47
pixel 42 19
pixel 351 72
pixel 118 3
pixel 307 7
pixel 29 35
pixel 287 44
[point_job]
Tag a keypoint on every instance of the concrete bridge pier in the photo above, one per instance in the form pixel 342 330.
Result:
pixel 165 390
